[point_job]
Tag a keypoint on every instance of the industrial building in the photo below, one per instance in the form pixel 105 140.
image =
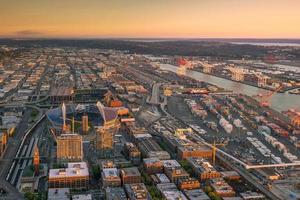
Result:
pixel 149 148
pixel 198 151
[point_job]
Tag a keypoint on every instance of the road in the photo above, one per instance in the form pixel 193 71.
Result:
pixel 154 98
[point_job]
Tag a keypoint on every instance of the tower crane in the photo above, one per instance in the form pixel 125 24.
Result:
pixel 214 150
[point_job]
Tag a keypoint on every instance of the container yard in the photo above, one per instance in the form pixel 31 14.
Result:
pixel 251 135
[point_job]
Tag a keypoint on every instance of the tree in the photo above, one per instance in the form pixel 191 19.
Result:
pixel 96 172
pixel 207 189
pixel 214 196
pixel 31 196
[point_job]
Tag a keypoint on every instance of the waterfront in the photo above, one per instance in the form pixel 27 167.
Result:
pixel 279 101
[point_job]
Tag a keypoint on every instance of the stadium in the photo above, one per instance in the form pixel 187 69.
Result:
pixel 98 114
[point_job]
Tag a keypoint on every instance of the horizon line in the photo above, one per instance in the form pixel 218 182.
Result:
pixel 151 38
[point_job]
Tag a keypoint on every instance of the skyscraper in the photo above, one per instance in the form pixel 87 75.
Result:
pixel 85 124
pixel 105 140
pixel 69 147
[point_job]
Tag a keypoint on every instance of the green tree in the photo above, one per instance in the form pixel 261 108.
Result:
pixel 31 196
pixel 214 196
pixel 96 172
pixel 207 189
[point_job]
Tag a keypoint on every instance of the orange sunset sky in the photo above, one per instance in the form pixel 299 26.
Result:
pixel 150 18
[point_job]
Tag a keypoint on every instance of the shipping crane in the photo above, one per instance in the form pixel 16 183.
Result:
pixel 183 64
pixel 237 73
pixel 265 98
pixel 261 79
pixel 207 68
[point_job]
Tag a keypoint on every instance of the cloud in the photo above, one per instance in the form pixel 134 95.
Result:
pixel 28 32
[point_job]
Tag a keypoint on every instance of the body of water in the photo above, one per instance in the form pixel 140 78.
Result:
pixel 281 44
pixel 279 101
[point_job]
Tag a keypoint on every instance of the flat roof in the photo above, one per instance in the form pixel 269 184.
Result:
pixel 82 197
pixel 58 193
pixel 61 91
pixel 75 169
pixel 196 194
pixel 109 172
pixel 131 171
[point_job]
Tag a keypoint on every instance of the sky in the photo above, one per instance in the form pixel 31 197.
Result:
pixel 150 18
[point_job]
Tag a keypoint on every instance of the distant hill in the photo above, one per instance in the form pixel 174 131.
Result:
pixel 155 47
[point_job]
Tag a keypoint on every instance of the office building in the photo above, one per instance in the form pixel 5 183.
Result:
pixel 222 188
pixel 137 191
pixel 69 148
pixel 188 184
pixel 174 171
pixel 85 124
pixel 130 175
pixel 153 165
pixel 132 153
pixel 196 194
pixel 170 191
pixel 105 140
pixel 75 176
pixel 203 169
pixel 110 177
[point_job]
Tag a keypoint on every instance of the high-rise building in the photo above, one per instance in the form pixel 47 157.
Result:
pixel 105 140
pixel 69 147
pixel 85 124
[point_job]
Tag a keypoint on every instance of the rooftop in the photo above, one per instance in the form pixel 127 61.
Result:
pixel 76 169
pixel 130 171
pixel 113 193
pixel 58 193
pixel 110 172
pixel 196 194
